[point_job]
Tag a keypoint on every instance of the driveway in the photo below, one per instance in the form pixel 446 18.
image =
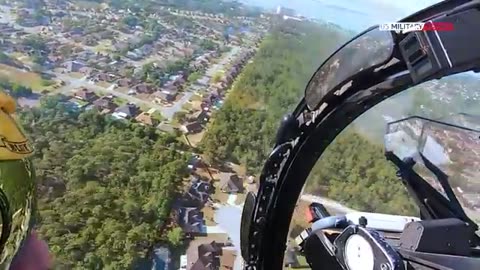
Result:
pixel 228 218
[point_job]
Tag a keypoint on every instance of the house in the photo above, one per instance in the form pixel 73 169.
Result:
pixel 143 88
pixel 227 260
pixel 127 111
pixel 166 128
pixel 85 95
pixel 123 82
pixel 133 56
pixel 230 183
pixel 103 77
pixel 201 117
pixel 121 46
pixel 104 105
pixel 194 162
pixel 208 256
pixel 200 190
pixel 191 220
pixel 163 96
pixel 146 118
pixel 73 66
pixel 161 258
pixel 204 81
pixel 191 128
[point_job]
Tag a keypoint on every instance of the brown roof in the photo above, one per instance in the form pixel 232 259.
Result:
pixel 85 94
pixel 146 119
pixel 230 182
pixel 227 260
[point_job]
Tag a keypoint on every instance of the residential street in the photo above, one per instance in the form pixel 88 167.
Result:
pixel 168 112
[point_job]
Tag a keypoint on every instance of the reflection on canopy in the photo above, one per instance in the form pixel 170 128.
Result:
pixel 369 50
pixel 452 144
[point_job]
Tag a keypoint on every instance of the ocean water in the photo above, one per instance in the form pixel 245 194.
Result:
pixel 354 15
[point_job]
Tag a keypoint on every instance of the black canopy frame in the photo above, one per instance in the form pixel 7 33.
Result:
pixel 307 132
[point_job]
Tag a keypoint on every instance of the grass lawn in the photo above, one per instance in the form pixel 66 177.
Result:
pixel 187 107
pixel 119 101
pixel 104 84
pixel 104 46
pixel 220 196
pixel 240 198
pixel 76 75
pixel 25 78
pixel 303 262
pixel 209 214
pixel 196 98
pixel 195 139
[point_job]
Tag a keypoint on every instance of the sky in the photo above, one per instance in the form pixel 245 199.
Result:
pixel 352 14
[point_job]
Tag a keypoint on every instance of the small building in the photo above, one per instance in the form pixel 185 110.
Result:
pixel 227 260
pixel 143 88
pixel 191 220
pixel 192 128
pixel 161 258
pixel 166 128
pixel 201 117
pixel 208 256
pixel 73 66
pixel 163 96
pixel 200 190
pixel 104 105
pixel 146 118
pixel 127 111
pixel 230 183
pixel 85 95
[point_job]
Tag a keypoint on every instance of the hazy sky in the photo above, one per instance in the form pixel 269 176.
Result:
pixel 353 14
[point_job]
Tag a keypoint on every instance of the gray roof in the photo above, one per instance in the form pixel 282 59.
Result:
pixel 230 182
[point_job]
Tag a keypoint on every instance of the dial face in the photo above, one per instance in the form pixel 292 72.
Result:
pixel 358 253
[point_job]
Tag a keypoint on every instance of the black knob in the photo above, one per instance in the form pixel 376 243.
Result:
pixel 362 221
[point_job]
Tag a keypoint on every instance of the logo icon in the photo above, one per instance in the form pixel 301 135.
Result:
pixel 22 148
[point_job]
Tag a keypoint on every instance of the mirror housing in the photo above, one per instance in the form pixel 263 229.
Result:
pixel 435 54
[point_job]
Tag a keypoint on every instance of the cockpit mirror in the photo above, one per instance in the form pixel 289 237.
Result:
pixel 369 50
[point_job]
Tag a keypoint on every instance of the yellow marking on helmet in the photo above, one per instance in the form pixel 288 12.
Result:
pixel 13 143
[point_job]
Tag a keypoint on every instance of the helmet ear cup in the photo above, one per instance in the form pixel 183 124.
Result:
pixel 6 215
pixel 7 103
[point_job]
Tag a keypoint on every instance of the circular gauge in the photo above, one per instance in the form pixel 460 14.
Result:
pixel 358 254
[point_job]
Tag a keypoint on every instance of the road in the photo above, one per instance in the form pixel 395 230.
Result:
pixel 168 112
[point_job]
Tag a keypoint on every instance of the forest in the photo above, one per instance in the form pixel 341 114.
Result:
pixel 105 186
pixel 244 128
pixel 353 170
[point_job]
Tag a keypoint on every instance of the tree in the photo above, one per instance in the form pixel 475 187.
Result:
pixel 208 45
pixel 130 20
pixel 175 236
pixel 193 77
pixel 106 188
pixel 36 42
pixel 217 76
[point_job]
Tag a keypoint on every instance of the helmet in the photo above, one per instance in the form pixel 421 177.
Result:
pixel 17 186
